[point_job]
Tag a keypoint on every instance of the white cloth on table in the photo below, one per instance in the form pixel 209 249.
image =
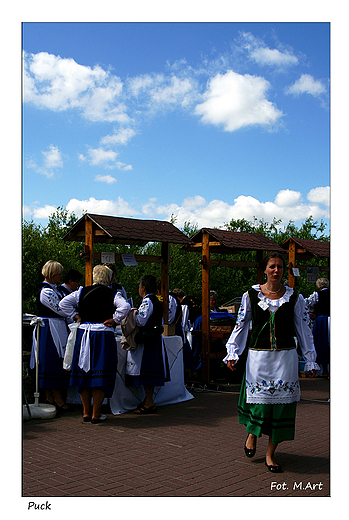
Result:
pixel 126 398
pixel 272 376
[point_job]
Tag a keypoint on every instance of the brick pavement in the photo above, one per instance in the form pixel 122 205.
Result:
pixel 191 449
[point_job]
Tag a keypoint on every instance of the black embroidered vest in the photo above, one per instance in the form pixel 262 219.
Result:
pixel 272 331
pixel 96 304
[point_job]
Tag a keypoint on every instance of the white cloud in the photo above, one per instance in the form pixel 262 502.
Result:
pixel 287 206
pixel 57 83
pixel 52 159
pixel 236 101
pixel 261 54
pixel 105 178
pixel 306 84
pixel 44 212
pixel 196 210
pixel 105 158
pixel 141 84
pixel 101 207
pixel 179 91
pixel 266 56
pixel 120 137
pixel 320 195
pixel 287 198
pixel 100 156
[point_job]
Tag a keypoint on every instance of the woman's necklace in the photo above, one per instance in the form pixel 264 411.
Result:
pixel 273 292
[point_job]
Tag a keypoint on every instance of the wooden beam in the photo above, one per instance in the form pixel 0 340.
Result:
pixel 291 263
pixel 165 255
pixel 205 261
pixel 199 244
pixel 232 263
pixel 88 251
pixel 138 258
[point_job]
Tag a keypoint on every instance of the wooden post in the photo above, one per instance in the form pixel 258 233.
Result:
pixel 88 251
pixel 205 261
pixel 165 257
pixel 291 262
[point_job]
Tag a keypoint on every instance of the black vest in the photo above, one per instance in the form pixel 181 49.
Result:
pixel 153 328
pixel 43 311
pixel 96 304
pixel 272 330
pixel 322 307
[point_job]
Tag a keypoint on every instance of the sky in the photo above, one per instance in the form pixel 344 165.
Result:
pixel 203 122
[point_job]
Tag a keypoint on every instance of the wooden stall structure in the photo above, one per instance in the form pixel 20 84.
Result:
pixel 92 229
pixel 305 250
pixel 208 241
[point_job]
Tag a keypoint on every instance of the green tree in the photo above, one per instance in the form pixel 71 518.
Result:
pixel 40 244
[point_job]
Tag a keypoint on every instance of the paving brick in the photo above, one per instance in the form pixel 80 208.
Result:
pixel 191 449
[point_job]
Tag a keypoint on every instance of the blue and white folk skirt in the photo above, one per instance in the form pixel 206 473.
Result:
pixel 101 356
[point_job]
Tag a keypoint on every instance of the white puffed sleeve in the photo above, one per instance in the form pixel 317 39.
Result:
pixel 144 312
pixel 237 342
pixel 304 334
pixel 69 304
pixel 122 308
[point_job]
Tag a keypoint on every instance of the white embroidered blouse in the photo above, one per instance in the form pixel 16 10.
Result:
pixel 272 376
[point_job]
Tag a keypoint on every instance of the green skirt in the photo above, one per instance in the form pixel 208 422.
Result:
pixel 275 420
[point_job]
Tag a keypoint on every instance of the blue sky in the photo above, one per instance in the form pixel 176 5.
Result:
pixel 203 121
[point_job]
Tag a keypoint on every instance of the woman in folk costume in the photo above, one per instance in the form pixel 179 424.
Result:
pixel 148 364
pixel 270 389
pixel 319 301
pixel 97 309
pixel 52 337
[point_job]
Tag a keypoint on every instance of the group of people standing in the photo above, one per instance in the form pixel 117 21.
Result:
pixel 97 309
pixel 272 320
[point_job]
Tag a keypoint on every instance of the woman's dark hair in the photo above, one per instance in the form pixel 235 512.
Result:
pixel 179 293
pixel 148 281
pixel 273 254
pixel 72 274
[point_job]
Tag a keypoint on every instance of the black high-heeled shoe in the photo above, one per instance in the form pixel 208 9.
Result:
pixel 273 469
pixel 250 453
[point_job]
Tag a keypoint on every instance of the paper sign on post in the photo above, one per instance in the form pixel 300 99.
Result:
pixel 312 274
pixel 129 260
pixel 108 258
pixel 295 271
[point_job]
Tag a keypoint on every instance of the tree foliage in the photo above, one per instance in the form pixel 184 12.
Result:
pixel 40 244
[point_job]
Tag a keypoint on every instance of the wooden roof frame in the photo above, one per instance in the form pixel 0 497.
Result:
pixel 209 240
pixel 92 228
pixel 306 249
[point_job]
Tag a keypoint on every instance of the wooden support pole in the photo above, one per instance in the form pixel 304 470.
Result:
pixel 88 251
pixel 205 262
pixel 165 255
pixel 291 263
